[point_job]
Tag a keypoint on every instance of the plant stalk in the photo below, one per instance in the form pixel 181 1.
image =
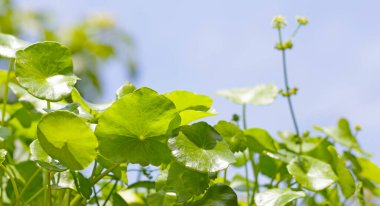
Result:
pixel 14 184
pixel 286 81
pixel 6 91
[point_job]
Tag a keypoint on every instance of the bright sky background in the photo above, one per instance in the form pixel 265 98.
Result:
pixel 207 45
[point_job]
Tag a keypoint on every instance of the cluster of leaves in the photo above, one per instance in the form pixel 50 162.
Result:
pixel 59 149
pixel 93 41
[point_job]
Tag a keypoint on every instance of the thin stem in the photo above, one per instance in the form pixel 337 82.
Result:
pixel 48 104
pixel 283 52
pixel 109 195
pixel 34 196
pixel 96 196
pixel 225 176
pixel 244 116
pixel 14 185
pixel 295 32
pixel 246 177
pixel 78 197
pixel 6 90
pixel 29 182
pixel 255 170
pixel 48 196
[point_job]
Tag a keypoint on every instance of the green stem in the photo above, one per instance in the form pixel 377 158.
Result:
pixel 109 195
pixel 244 116
pixel 6 90
pixel 225 176
pixel 29 182
pixel 34 196
pixel 255 170
pixel 295 32
pixel 286 81
pixel 78 197
pixel 96 196
pixel 14 185
pixel 48 196
pixel 246 177
pixel 48 104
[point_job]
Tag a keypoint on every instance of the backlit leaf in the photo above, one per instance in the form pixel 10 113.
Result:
pixel 257 95
pixel 67 138
pixel 312 173
pixel 45 70
pixel 9 45
pixel 277 197
pixel 259 139
pixel 232 134
pixel 133 128
pixel 200 147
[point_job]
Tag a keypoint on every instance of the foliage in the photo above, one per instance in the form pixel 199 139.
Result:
pixel 57 148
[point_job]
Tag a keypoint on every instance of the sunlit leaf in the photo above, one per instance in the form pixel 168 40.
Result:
pixel 369 169
pixel 259 139
pixel 218 194
pixel 191 106
pixel 312 173
pixel 277 197
pixel 290 140
pixel 9 45
pixel 125 89
pixel 162 199
pixel 45 70
pixel 232 134
pixel 67 138
pixel 257 95
pixel 200 147
pixel 133 129
pixel 185 182
pixel 345 178
pixel 341 134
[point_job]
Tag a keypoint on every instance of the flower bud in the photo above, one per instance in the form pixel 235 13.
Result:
pixel 279 22
pixel 358 127
pixel 302 20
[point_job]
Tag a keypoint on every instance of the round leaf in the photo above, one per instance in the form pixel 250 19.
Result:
pixel 311 173
pixel 133 128
pixel 259 139
pixel 345 178
pixel 67 138
pixel 9 45
pixel 199 147
pixel 45 70
pixel 218 194
pixel 232 134
pixel 258 95
pixel 277 197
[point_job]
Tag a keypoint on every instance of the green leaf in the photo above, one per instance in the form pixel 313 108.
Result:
pixel 259 139
pixel 312 173
pixel 45 70
pixel 257 95
pixel 143 184
pixel 232 134
pixel 162 199
pixel 130 197
pixel 85 187
pixel 67 138
pixel 133 128
pixel 345 178
pixel 87 106
pixel 38 104
pixel 369 169
pixel 66 181
pixel 341 134
pixel 125 89
pixel 191 106
pixel 185 100
pixel 188 116
pixel 200 147
pixel 37 153
pixel 277 197
pixel 184 182
pixel 290 141
pixel 218 194
pixel 9 45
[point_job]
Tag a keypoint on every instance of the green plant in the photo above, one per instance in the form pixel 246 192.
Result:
pixel 59 149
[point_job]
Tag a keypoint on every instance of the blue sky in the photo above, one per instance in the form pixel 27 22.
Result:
pixel 205 46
